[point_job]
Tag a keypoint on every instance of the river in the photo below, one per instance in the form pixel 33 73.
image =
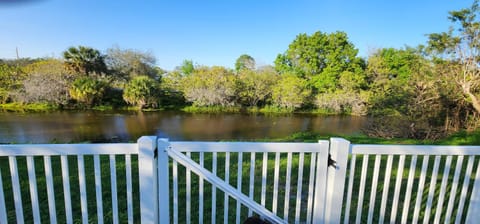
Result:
pixel 94 126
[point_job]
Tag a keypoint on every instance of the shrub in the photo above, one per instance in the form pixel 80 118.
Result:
pixel 291 92
pixel 341 103
pixel 88 90
pixel 142 91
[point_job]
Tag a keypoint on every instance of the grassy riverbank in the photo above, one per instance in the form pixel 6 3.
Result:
pixel 41 107
pixel 268 109
pixel 459 138
pixel 34 107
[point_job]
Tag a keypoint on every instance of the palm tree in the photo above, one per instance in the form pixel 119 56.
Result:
pixel 84 60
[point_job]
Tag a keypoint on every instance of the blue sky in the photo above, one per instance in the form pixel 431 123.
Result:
pixel 213 32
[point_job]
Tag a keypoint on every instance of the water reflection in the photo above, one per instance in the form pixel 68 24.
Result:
pixel 68 126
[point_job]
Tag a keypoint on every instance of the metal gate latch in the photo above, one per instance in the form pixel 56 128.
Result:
pixel 331 162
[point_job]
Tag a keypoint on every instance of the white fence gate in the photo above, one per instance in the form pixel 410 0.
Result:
pixel 156 181
pixel 282 182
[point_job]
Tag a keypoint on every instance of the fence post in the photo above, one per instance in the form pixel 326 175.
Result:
pixel 147 171
pixel 319 202
pixel 163 181
pixel 3 211
pixel 473 214
pixel 339 151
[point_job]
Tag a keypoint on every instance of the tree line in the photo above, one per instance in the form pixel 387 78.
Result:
pixel 422 92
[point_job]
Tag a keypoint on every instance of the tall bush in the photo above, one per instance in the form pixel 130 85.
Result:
pixel 142 91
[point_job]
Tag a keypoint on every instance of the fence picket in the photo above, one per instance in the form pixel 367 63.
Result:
pixel 443 189
pixel 463 194
pixel 66 189
pixel 408 195
pixel 188 185
pixel 431 191
pixel 264 179
pixel 373 192
pixel 175 190
pixel 398 187
pixel 311 180
pixel 386 185
pixel 83 188
pixel 200 191
pixel 421 185
pixel 349 189
pixel 473 213
pixel 17 197
pixel 214 189
pixel 227 180
pixel 239 184
pixel 32 180
pixel 128 172
pixel 98 187
pixel 3 210
pixel 252 180
pixel 287 187
pixel 301 158
pixel 276 174
pixel 47 162
pixel 453 191
pixel 113 182
pixel 361 191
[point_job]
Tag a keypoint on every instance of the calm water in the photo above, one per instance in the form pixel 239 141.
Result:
pixel 68 126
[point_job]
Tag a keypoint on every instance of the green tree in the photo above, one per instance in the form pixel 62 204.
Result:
pixel 322 59
pixel 391 73
pixel 84 60
pixel 458 52
pixel 213 86
pixel 255 87
pixel 393 65
pixel 88 90
pixel 142 91
pixel 291 91
pixel 245 61
pixel 406 88
pixel 186 68
pixel 10 79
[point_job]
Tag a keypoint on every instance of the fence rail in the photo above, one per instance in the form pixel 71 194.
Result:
pixel 157 181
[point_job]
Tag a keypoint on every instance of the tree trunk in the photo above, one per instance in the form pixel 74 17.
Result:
pixel 475 101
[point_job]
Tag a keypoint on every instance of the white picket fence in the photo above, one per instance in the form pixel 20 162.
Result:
pixel 157 181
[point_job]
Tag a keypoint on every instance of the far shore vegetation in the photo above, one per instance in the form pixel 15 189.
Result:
pixel 429 91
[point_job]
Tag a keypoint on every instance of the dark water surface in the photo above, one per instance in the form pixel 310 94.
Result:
pixel 72 126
